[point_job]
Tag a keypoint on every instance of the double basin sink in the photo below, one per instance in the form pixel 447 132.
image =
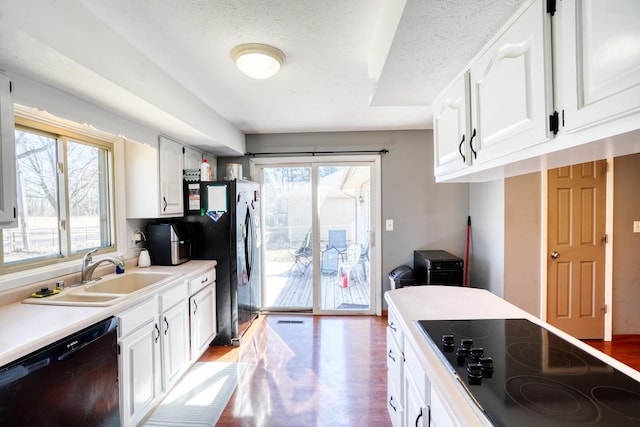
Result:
pixel 106 291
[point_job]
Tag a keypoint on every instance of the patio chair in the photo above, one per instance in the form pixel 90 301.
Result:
pixel 303 256
pixel 364 258
pixel 335 251
pixel 351 262
pixel 338 241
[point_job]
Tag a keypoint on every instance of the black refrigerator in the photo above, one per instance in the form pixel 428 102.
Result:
pixel 224 220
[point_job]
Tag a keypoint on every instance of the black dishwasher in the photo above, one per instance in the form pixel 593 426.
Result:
pixel 72 382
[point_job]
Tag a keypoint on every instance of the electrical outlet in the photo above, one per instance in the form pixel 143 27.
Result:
pixel 636 226
pixel 389 225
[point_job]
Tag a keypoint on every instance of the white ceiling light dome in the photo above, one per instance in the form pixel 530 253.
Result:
pixel 256 60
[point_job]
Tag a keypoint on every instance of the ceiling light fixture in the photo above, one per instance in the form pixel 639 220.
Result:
pixel 257 60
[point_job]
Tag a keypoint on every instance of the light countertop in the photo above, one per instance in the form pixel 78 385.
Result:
pixel 451 302
pixel 25 328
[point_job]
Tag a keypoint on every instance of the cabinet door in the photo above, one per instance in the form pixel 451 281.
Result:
pixel 394 404
pixel 415 411
pixel 170 177
pixel 511 88
pixel 438 413
pixel 203 320
pixel 175 344
pixel 395 364
pixel 450 122
pixel 7 157
pixel 139 373
pixel 192 158
pixel 600 75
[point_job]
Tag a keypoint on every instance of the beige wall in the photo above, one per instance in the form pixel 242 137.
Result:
pixel 626 245
pixel 522 241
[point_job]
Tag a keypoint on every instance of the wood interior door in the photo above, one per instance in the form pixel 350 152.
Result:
pixel 576 244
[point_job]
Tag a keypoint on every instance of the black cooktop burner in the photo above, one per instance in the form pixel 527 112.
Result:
pixel 524 375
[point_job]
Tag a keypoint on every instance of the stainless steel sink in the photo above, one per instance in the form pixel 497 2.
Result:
pixel 108 291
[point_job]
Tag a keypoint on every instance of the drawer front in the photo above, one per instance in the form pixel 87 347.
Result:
pixel 137 316
pixel 174 295
pixel 416 373
pixel 200 282
pixel 394 405
pixel 395 362
pixel 392 319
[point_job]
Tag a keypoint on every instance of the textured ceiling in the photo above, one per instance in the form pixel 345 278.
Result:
pixel 351 64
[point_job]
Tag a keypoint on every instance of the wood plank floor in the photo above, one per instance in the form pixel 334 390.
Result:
pixel 294 289
pixel 625 348
pixel 305 370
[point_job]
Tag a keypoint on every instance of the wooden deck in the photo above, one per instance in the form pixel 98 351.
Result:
pixel 293 289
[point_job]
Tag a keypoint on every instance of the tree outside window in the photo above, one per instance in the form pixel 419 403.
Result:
pixel 62 197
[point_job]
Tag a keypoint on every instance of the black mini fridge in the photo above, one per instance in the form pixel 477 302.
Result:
pixel 438 268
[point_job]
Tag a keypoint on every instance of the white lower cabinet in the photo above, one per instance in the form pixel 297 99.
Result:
pixel 416 412
pixel 139 363
pixel 439 415
pixel 203 326
pixel 417 390
pixel 394 403
pixel 395 368
pixel 155 340
pixel 395 371
pixel 174 321
pixel 411 399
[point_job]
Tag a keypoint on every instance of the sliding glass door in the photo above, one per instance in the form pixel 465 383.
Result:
pixel 318 236
pixel 344 226
pixel 287 253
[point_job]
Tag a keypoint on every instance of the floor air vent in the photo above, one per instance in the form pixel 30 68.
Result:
pixel 291 321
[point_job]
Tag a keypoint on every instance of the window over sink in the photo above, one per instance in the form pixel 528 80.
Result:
pixel 64 186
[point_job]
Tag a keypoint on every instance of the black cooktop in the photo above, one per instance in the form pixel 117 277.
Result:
pixel 521 374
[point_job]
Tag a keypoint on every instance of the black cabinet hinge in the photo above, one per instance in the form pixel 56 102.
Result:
pixel 554 122
pixel 551 7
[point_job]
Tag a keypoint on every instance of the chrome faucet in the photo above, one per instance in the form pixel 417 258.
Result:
pixel 88 266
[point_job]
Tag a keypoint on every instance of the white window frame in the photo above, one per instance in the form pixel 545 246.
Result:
pixel 15 275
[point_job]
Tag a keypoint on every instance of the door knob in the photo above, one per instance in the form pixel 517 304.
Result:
pixel 555 255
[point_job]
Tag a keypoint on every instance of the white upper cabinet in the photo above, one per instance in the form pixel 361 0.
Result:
pixel 171 171
pixel 154 179
pixel 192 158
pixel 501 105
pixel 450 123
pixel 7 156
pixel 511 93
pixel 599 55
pixel 552 88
